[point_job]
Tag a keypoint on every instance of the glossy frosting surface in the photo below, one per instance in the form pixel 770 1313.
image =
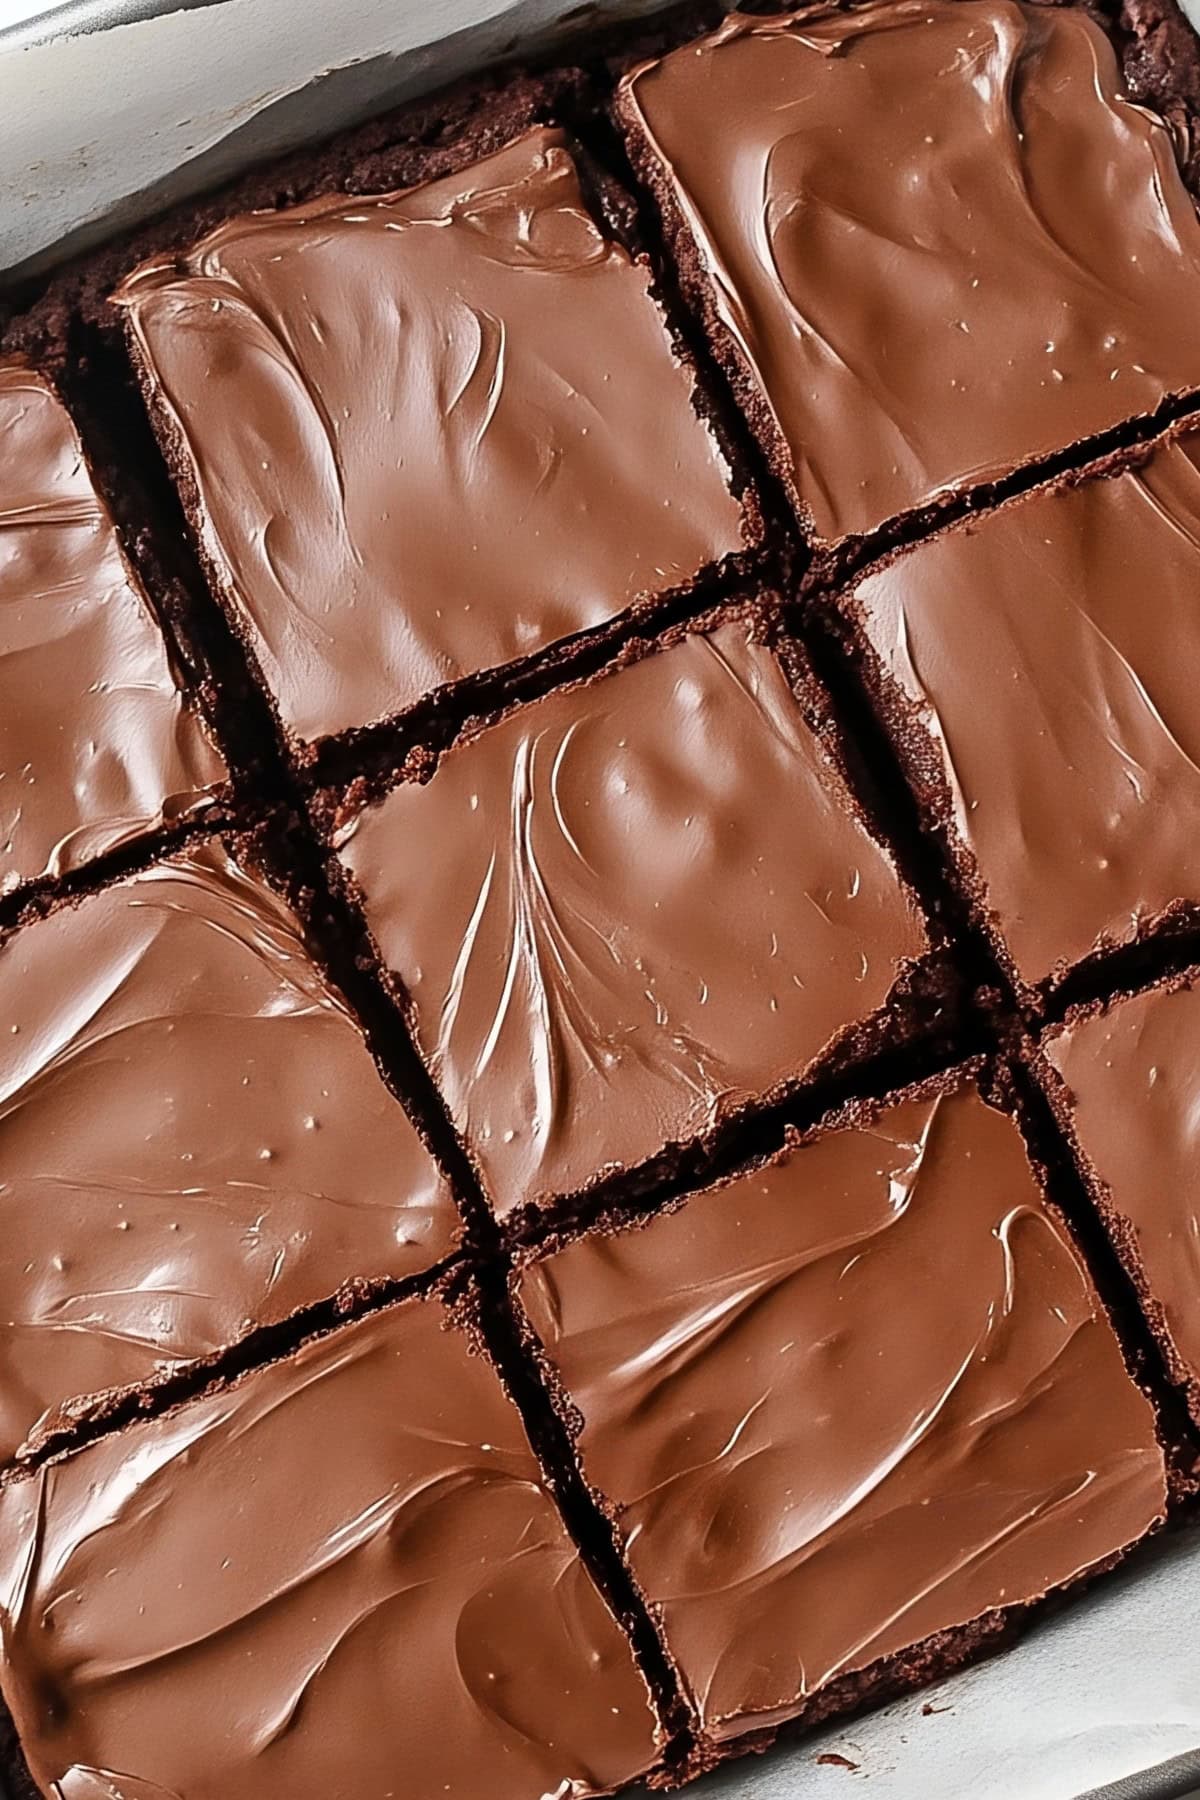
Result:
pixel 937 234
pixel 1134 1078
pixel 429 432
pixel 1052 654
pixel 627 909
pixel 97 744
pixel 854 1399
pixel 306 1589
pixel 194 1139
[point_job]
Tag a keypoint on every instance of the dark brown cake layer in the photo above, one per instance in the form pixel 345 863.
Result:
pixel 629 909
pixel 931 242
pixel 98 744
pixel 341 1579
pixel 194 1140
pixel 524 460
pixel 1124 1081
pixel 1037 670
pixel 851 1412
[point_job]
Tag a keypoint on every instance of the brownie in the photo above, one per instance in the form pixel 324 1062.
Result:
pixel 306 1585
pixel 195 1140
pixel 626 911
pixel 852 1413
pixel 494 1305
pixel 99 746
pixel 524 463
pixel 1123 1078
pixel 931 243
pixel 1037 670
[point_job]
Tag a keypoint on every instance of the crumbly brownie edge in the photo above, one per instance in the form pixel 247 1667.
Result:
pixel 73 330
pixel 366 757
pixel 699 294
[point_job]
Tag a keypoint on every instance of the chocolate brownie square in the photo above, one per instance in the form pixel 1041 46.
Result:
pixel 195 1141
pixel 342 1577
pixel 852 1412
pixel 932 241
pixel 98 744
pixel 426 433
pixel 1124 1081
pixel 630 909
pixel 1038 669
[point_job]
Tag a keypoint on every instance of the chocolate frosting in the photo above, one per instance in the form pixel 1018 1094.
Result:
pixel 342 1580
pixel 1044 675
pixel 938 239
pixel 97 744
pixel 194 1139
pixel 427 432
pixel 855 1398
pixel 629 908
pixel 1133 1074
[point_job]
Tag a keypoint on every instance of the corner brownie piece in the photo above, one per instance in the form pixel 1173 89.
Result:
pixel 426 433
pixel 1124 1081
pixel 932 240
pixel 97 743
pixel 628 909
pixel 851 1412
pixel 195 1140
pixel 1038 670
pixel 342 1577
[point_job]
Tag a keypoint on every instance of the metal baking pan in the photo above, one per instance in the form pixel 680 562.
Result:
pixel 111 108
